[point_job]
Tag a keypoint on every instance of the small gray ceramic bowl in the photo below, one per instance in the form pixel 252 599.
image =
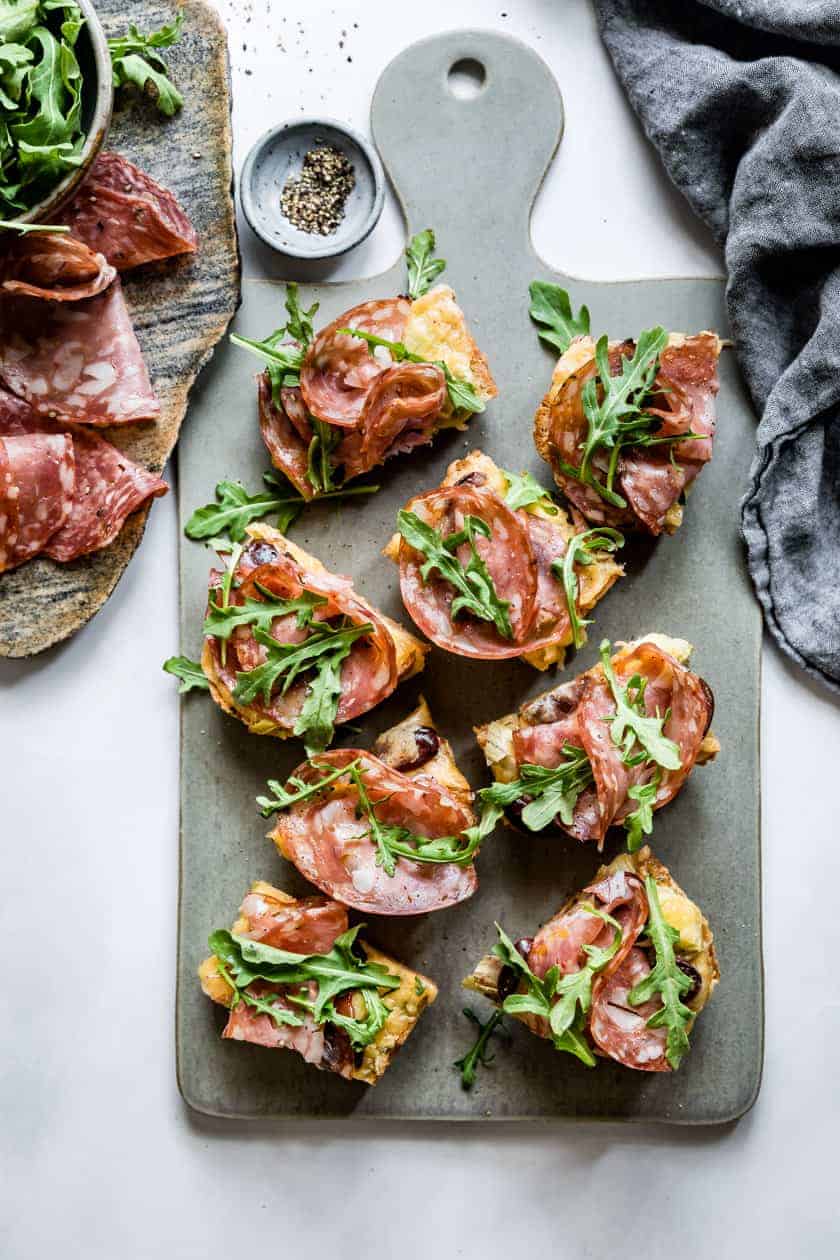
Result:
pixel 280 153
pixel 97 105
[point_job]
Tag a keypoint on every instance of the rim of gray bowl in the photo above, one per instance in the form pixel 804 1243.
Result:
pixel 103 106
pixel 328 251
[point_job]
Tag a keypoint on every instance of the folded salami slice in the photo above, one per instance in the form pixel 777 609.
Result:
pixel 124 214
pixel 518 553
pixel 76 360
pixel 339 370
pixel 53 265
pixel 282 437
pixel 36 493
pixel 330 836
pixel 579 715
pixel 651 479
pixel 107 487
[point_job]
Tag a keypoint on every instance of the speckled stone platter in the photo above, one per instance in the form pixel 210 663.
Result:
pixel 471 168
pixel 180 308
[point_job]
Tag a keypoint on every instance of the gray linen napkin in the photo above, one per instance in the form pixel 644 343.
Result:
pixel 742 100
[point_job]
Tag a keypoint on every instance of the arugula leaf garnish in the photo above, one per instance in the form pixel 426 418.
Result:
pixel 323 653
pixel 319 467
pixel 476 590
pixel 477 1055
pixel 462 394
pixel 524 491
pixel 563 1001
pixel 552 307
pixel 423 269
pixel 630 725
pixel 640 823
pixel 552 791
pixel 283 798
pixel 235 509
pixel 665 980
pixel 190 673
pixel 223 618
pixel 283 361
pixel 135 60
pixel 581 550
pixel 340 971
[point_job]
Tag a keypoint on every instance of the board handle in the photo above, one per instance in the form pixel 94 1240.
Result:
pixel 466 124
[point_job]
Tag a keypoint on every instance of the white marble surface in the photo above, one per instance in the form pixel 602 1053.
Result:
pixel 101 1159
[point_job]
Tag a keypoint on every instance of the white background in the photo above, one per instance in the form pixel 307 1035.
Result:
pixel 102 1159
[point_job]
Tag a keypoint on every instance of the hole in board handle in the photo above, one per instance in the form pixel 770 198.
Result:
pixel 466 78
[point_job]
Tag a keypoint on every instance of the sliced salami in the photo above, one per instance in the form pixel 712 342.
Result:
pixel 618 1028
pixel 37 472
pixel 107 488
pixel 402 406
pixel 338 370
pixel 329 838
pixel 54 266
pixel 307 926
pixel 509 559
pixel 288 451
pixel 368 674
pixel 124 214
pixel 560 941
pixel 77 361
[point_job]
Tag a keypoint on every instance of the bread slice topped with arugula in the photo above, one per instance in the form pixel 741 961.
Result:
pixel 626 426
pixel 294 976
pixel 387 831
pixel 607 749
pixel 380 380
pixel 620 972
pixel 292 649
pixel 492 568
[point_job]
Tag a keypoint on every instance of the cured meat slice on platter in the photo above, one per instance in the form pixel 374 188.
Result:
pixel 291 649
pixel 266 971
pixel 620 972
pixel 124 214
pixel 610 748
pixel 485 578
pixel 77 361
pixel 377 837
pixel 37 476
pixel 631 483
pixel 53 266
pixel 106 488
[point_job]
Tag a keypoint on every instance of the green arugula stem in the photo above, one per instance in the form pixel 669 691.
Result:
pixel 580 551
pixel 477 1054
pixel 462 393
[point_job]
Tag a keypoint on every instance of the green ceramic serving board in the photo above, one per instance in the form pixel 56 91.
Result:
pixel 471 168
